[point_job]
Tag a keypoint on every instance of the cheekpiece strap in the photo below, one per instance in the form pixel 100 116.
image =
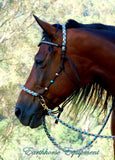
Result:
pixel 64 38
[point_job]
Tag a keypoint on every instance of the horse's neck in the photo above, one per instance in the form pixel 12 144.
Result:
pixel 98 50
pixel 100 54
pixel 109 35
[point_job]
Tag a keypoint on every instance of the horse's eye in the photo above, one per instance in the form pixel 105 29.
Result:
pixel 38 61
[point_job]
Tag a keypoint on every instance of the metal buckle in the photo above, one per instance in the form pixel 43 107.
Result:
pixel 42 102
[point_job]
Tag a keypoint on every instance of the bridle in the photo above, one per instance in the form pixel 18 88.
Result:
pixel 41 96
pixel 63 59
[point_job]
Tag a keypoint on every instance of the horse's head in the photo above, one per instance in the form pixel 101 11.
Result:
pixel 53 76
pixel 46 78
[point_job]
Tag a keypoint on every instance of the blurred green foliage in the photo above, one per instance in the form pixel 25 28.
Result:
pixel 19 37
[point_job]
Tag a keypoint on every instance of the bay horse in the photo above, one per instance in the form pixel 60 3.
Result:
pixel 87 66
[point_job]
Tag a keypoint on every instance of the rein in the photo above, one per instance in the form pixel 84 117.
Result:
pixel 49 111
pixel 77 130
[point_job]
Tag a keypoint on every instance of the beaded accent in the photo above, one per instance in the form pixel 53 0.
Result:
pixel 57 74
pixel 52 81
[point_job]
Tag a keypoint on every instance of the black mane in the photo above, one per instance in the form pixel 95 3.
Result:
pixel 92 94
pixel 74 24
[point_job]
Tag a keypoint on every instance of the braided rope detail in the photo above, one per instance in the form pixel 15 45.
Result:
pixel 77 130
pixel 83 132
pixel 58 146
pixel 29 91
pixel 64 38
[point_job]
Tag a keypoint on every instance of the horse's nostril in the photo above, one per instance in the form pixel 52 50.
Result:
pixel 17 112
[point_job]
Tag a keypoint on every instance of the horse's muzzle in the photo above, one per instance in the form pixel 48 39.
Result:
pixel 28 117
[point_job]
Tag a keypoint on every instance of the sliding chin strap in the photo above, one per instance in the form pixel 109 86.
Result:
pixel 60 110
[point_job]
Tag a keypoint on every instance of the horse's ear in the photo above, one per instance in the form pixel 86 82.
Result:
pixel 47 28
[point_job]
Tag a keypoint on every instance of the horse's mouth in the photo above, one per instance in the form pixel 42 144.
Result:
pixel 34 122
pixel 30 118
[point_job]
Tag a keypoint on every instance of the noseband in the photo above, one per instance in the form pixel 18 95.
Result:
pixel 63 58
